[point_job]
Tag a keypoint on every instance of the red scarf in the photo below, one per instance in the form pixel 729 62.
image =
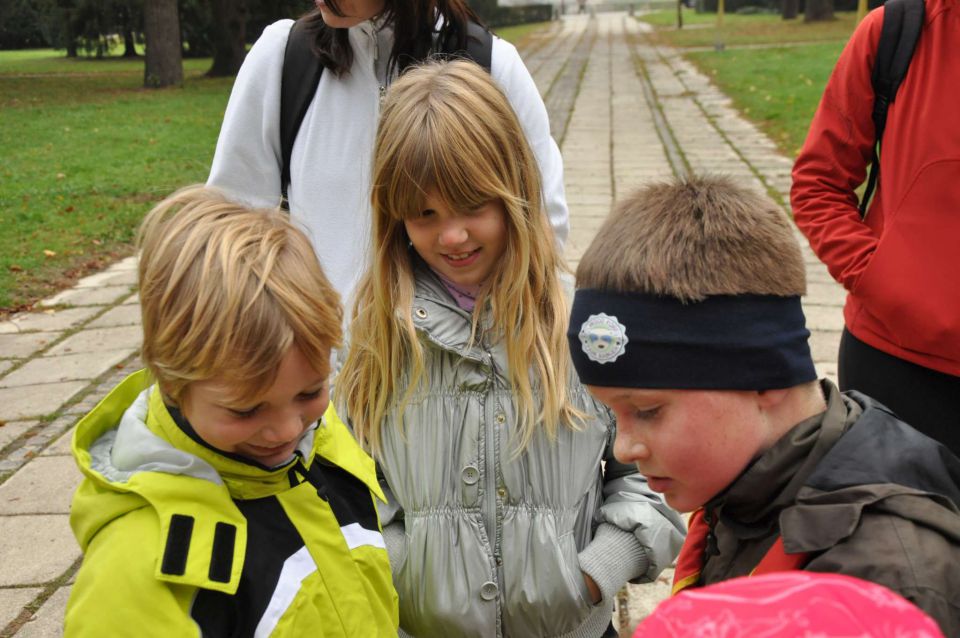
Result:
pixel 690 560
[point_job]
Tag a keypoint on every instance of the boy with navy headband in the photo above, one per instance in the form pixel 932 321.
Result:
pixel 687 323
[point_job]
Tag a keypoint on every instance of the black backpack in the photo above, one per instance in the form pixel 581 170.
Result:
pixel 902 21
pixel 301 76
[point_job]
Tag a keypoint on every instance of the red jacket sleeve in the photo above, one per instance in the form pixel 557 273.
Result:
pixel 834 159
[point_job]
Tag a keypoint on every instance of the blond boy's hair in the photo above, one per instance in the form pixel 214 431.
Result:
pixel 448 128
pixel 694 238
pixel 225 291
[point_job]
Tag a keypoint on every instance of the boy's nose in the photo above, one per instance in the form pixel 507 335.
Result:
pixel 285 427
pixel 629 448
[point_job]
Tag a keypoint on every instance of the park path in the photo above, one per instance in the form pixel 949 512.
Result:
pixel 624 112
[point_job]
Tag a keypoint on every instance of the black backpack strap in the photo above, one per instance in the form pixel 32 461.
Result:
pixel 902 22
pixel 479 46
pixel 301 76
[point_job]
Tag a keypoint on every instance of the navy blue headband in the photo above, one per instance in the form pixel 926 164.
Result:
pixel 726 342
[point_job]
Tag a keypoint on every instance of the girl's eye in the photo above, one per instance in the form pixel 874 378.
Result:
pixel 424 214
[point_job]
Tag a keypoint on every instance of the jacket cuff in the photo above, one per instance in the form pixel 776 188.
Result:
pixel 613 558
pixel 395 539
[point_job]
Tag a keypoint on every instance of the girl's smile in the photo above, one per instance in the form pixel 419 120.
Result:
pixel 465 247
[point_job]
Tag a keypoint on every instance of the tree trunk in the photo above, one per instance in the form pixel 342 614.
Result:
pixel 129 47
pixel 164 58
pixel 818 11
pixel 69 33
pixel 790 9
pixel 229 37
pixel 126 26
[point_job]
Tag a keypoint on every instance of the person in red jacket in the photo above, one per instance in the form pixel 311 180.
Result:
pixel 900 264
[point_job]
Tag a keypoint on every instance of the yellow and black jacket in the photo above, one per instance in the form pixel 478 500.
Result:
pixel 181 540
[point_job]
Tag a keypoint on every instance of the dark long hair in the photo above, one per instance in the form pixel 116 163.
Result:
pixel 414 26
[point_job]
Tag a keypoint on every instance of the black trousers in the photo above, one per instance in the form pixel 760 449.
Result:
pixel 926 399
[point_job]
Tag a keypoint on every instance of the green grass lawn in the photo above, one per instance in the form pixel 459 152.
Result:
pixel 84 152
pixel 517 33
pixel 778 87
pixel 700 29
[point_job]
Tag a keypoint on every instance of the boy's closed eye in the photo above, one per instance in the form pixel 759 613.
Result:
pixel 647 414
pixel 246 413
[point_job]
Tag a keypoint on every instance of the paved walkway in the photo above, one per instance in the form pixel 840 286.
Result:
pixel 624 112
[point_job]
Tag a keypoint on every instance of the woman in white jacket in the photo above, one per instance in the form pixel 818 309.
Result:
pixel 363 45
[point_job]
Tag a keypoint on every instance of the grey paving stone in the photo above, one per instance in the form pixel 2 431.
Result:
pixel 122 315
pixel 48 621
pixel 100 296
pixel 124 277
pixel 67 367
pixel 97 394
pixel 824 345
pixel 823 317
pixel 132 299
pixel 24 345
pixel 98 339
pixel 127 263
pixel 62 445
pixel 6 364
pixel 13 430
pixel 825 293
pixel 49 320
pixel 36 400
pixel 828 370
pixel 35 549
pixel 45 485
pixel 12 602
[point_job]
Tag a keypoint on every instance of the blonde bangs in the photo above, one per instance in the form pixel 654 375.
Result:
pixel 440 156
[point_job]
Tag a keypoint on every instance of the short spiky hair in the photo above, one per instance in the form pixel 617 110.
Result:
pixel 226 290
pixel 693 238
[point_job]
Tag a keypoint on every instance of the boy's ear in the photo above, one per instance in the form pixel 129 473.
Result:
pixel 768 399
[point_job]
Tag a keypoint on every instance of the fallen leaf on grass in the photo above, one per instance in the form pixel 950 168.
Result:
pixel 49 253
pixel 15 268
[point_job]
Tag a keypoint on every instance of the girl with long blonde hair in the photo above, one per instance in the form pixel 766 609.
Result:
pixel 502 520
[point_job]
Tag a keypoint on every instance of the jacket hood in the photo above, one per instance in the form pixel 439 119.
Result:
pixel 880 462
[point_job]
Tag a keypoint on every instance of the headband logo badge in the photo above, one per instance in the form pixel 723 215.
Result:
pixel 604 338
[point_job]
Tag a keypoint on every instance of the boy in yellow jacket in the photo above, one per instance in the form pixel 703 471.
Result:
pixel 222 494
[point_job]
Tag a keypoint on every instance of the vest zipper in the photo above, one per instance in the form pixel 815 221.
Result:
pixel 382 89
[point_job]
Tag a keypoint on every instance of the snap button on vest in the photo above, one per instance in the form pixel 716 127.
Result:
pixel 470 474
pixel 489 590
pixel 420 312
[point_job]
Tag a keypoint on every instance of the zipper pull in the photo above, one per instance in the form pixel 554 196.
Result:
pixel 383 93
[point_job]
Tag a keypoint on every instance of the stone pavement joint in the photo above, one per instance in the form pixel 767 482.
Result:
pixel 625 112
